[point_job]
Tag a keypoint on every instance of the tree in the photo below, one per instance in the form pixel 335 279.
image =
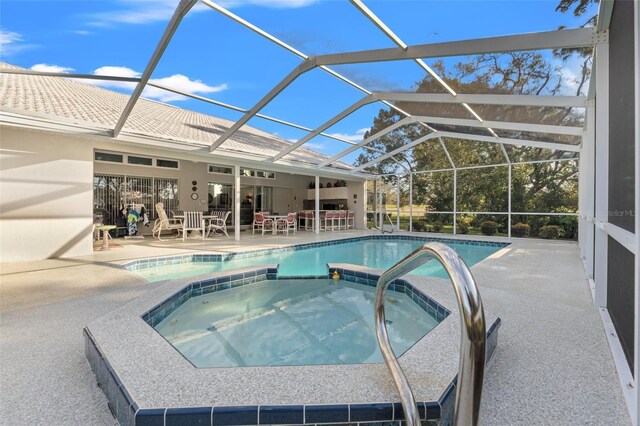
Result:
pixel 536 187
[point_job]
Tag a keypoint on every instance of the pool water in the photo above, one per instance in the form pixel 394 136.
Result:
pixel 380 254
pixel 291 322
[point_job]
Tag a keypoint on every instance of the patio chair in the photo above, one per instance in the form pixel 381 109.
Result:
pixel 350 220
pixel 330 217
pixel 193 221
pixel 287 224
pixel 218 223
pixel 261 223
pixel 342 219
pixel 309 220
pixel 163 223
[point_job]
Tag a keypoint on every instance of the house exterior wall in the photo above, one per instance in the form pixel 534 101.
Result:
pixel 46 189
pixel 289 189
pixel 45 195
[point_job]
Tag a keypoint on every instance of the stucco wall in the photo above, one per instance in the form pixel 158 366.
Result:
pixel 46 190
pixel 45 195
pixel 289 189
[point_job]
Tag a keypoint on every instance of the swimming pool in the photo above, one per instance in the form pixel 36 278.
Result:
pixel 291 322
pixel 375 251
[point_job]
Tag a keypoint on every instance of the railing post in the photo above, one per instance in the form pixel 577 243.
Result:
pixel 509 205
pixel 455 200
pixel 473 336
pixel 411 202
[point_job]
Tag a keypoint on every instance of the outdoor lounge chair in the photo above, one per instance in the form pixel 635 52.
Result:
pixel 218 224
pixel 163 223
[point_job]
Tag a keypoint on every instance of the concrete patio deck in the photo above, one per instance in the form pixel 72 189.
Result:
pixel 552 364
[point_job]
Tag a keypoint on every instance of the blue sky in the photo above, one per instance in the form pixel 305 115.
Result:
pixel 215 57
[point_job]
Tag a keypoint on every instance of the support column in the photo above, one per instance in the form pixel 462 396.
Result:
pixel 587 163
pixel 236 206
pixel 635 415
pixel 509 204
pixel 398 202
pixel 317 213
pixel 380 217
pixel 455 201
pixel 410 202
pixel 601 172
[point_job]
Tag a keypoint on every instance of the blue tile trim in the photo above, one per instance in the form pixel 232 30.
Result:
pixel 127 413
pixel 229 416
pixel 281 414
pixel 326 413
pixel 429 305
pixel 159 312
pixel 226 416
pixel 197 257
pixel 196 416
pixel 150 417
pixel 371 412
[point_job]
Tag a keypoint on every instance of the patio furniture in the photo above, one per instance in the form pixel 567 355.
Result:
pixel 286 224
pixel 351 218
pixel 163 223
pixel 193 221
pixel 342 219
pixel 309 220
pixel 330 217
pixel 105 235
pixel 218 223
pixel 261 223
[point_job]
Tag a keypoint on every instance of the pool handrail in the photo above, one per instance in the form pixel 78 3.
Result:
pixel 472 337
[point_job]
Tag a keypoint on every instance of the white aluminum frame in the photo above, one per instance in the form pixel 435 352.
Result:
pixel 593 215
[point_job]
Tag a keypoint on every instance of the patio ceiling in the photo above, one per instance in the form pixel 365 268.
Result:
pixel 477 124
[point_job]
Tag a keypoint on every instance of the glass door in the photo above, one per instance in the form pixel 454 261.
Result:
pixel 246 205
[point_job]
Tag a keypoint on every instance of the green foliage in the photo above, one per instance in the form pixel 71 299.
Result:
pixel 419 225
pixel 462 227
pixel 489 227
pixel 568 225
pixel 536 187
pixel 549 232
pixel 437 226
pixel 520 230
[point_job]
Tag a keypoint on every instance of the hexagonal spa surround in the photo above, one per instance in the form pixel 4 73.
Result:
pixel 148 382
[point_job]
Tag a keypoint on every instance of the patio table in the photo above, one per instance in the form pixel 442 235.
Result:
pixel 105 235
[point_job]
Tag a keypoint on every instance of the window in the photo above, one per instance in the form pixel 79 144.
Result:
pixel 228 170
pixel 108 156
pixel 225 170
pixel 169 164
pixel 140 161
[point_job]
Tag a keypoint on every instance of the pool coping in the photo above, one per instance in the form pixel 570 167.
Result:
pixel 118 359
pixel 245 254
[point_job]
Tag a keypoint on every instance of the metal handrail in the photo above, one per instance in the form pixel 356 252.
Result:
pixel 472 337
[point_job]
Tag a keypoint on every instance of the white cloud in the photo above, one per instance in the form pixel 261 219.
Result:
pixel 176 81
pixel 51 68
pixel 137 12
pixel 276 4
pixel 8 37
pixel 356 137
pixel 12 43
pixel 318 146
pixel 82 32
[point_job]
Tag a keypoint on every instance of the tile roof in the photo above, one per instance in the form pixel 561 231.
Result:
pixel 71 100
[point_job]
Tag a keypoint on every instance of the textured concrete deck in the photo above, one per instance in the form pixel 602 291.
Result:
pixel 552 364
